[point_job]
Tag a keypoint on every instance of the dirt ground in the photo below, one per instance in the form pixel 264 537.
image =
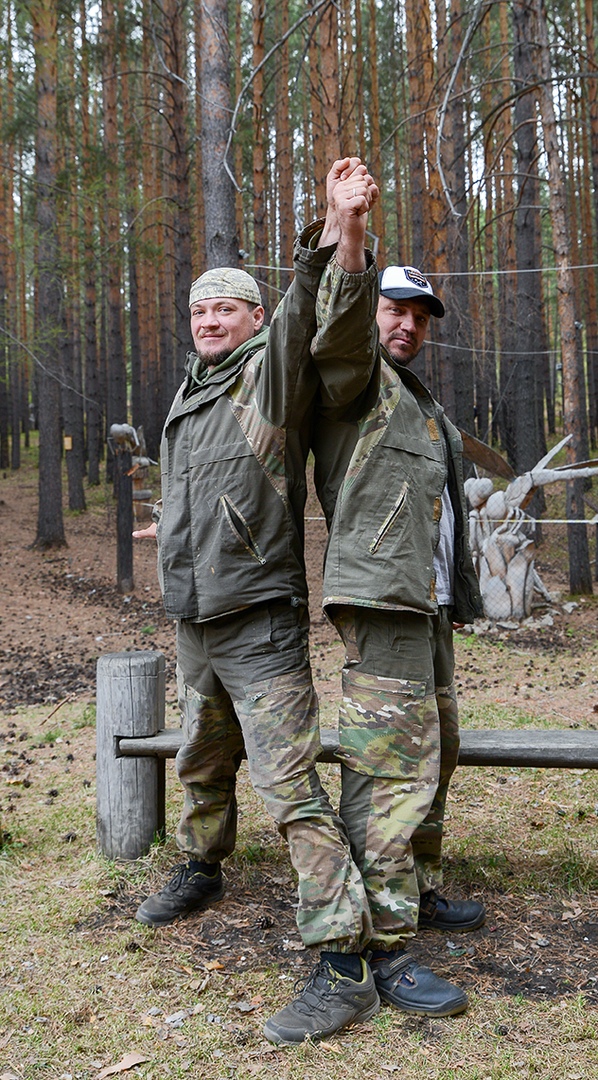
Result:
pixel 61 610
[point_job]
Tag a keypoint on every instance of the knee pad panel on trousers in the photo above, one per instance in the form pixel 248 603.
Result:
pixel 213 741
pixel 279 719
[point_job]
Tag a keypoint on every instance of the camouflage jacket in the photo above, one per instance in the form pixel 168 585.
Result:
pixel 234 450
pixel 380 481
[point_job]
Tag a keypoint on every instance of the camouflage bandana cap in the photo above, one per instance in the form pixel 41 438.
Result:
pixel 225 281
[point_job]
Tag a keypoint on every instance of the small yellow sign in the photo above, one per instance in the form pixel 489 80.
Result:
pixel 68 442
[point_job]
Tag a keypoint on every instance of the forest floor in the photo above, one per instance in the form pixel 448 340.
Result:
pixel 524 841
pixel 61 609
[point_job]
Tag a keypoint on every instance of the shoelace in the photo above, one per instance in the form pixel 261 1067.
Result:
pixel 180 877
pixel 321 972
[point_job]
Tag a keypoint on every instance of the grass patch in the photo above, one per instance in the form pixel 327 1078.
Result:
pixel 485 715
pixel 82 984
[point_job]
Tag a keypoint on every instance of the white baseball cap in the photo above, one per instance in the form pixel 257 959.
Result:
pixel 408 283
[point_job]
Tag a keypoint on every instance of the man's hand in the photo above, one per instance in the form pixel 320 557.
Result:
pixel 351 193
pixel 146 534
pixel 340 171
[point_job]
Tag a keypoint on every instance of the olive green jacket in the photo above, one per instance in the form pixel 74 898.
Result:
pixel 380 481
pixel 234 449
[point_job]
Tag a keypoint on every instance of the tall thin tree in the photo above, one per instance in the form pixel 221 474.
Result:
pixel 49 290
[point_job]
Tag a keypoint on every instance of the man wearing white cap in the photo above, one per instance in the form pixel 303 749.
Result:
pixel 398 572
pixel 231 567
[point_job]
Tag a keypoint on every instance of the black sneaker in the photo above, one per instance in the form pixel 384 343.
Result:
pixel 186 891
pixel 327 1003
pixel 409 986
pixel 454 916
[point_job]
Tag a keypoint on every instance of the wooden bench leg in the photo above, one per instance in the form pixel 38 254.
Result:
pixel 130 791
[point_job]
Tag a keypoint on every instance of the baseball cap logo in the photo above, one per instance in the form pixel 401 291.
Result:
pixel 416 278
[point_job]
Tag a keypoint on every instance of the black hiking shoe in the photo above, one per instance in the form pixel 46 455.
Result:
pixel 409 986
pixel 454 916
pixel 186 891
pixel 327 1003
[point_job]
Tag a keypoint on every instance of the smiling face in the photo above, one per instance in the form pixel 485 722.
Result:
pixel 403 325
pixel 220 325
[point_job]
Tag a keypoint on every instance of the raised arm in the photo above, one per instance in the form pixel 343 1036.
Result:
pixel 295 363
pixel 345 347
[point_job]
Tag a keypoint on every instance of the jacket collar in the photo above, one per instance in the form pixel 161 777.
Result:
pixel 199 376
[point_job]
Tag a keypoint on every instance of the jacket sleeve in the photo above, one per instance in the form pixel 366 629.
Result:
pixel 289 377
pixel 345 348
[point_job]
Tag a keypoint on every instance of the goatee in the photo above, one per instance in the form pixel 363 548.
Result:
pixel 210 360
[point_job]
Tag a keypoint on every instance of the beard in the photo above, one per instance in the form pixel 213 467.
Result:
pixel 210 360
pixel 401 352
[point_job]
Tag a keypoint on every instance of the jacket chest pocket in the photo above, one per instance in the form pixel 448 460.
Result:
pixel 227 490
pixel 239 527
pixel 217 456
pixel 390 518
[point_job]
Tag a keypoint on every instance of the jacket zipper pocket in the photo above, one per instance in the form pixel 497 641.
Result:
pixel 389 519
pixel 240 528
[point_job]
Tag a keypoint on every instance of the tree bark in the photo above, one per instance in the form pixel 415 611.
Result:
pixel 68 224
pixel 116 371
pixel 178 177
pixel 93 407
pixel 222 242
pixel 260 211
pixel 574 403
pixel 50 524
pixel 10 409
pixel 528 402
pixel 284 156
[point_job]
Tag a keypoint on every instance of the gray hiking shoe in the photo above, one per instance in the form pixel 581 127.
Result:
pixel 327 1003
pixel 186 891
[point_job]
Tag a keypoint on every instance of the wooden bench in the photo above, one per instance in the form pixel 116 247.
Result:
pixel 133 744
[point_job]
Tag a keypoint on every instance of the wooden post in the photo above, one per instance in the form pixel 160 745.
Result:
pixel 130 791
pixel 124 522
pixel 123 441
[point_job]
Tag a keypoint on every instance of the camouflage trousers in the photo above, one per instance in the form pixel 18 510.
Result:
pixel 245 681
pixel 399 744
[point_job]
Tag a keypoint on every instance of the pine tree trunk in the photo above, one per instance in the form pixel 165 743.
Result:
pixel 375 157
pixel 417 17
pixel 284 155
pixel 178 179
pixel 50 526
pixel 8 288
pixel 260 215
pixel 507 283
pixel 93 406
pixel 116 372
pixel 328 35
pixel 528 418
pixel 590 89
pixel 4 347
pixel 319 169
pixel 222 242
pixel 72 395
pixel 451 245
pixel 574 404
pixel 132 156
